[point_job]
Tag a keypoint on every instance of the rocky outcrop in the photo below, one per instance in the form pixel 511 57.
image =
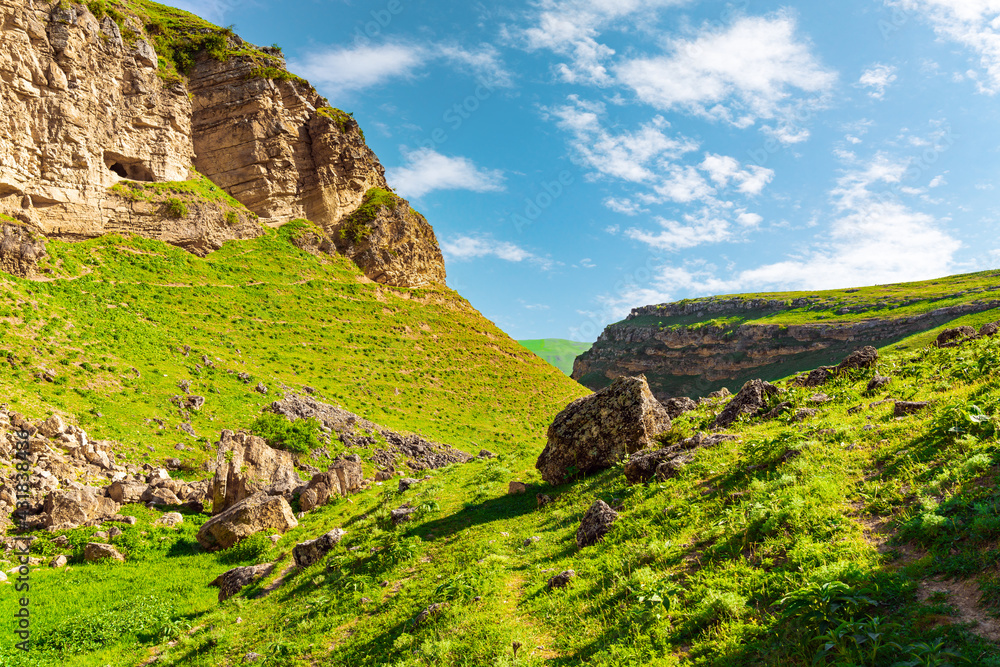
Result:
pixel 391 243
pixel 250 515
pixel 597 431
pixel 245 465
pixel 662 464
pixel 83 108
pixel 683 353
pixel 70 508
pixel 90 116
pixel 95 552
pixel 21 248
pixel 955 336
pixel 389 448
pixel 343 478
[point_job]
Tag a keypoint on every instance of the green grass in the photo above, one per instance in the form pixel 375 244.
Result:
pixel 558 352
pixel 761 551
pixel 357 226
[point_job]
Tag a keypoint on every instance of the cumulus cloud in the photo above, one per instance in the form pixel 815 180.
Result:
pixel 362 66
pixel 752 69
pixel 426 170
pixel 465 248
pixel 877 79
pixel 975 24
pixel 571 28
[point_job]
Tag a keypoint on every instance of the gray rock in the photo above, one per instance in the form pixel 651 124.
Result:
pixel 429 613
pixel 903 408
pixel 233 581
pixel 311 551
pixel 595 524
pixel 406 483
pixel 597 431
pixel 58 561
pixel 955 336
pixel 751 400
pixel 94 552
pixel 675 407
pixel 990 329
pixel 878 382
pixel 402 514
pixel 859 359
pixel 543 500
pixel 250 515
pixel 561 580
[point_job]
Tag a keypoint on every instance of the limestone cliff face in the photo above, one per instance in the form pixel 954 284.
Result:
pixel 694 360
pixel 81 105
pixel 86 109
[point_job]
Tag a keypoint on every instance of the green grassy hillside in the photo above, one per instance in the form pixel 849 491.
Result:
pixel 558 352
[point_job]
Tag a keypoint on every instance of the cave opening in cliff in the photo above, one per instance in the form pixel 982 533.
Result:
pixel 131 168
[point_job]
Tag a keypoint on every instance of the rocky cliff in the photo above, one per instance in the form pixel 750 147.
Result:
pixel 697 347
pixel 94 110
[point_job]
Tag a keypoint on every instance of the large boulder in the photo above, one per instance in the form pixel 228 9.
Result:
pixel 859 359
pixel 125 491
pixel 311 551
pixel 233 581
pixel 595 524
pixel 250 515
pixel 245 465
pixel 595 432
pixel 343 478
pixel 751 400
pixel 675 407
pixel 70 508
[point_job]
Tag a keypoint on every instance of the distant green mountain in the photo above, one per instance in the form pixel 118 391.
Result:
pixel 558 352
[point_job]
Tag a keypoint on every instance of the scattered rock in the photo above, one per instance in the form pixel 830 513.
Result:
pixel 58 561
pixel 877 383
pixel 261 388
pixel 904 408
pixel 990 329
pixel 406 483
pixel 343 478
pixel 675 407
pixel 595 524
pixel 159 495
pixel 778 410
pixel 95 551
pixel 485 454
pixel 429 613
pixel 955 336
pixel 311 551
pixel 125 492
pixel 531 540
pixel 251 656
pixel 194 402
pixel 561 580
pixel 751 400
pixel 52 427
pixel 243 377
pixel 401 514
pixel 70 508
pixel 250 515
pixel 543 500
pixel 597 431
pixel 819 398
pixel 515 488
pixel 233 581
pixel 859 359
pixel 170 519
pixel 804 413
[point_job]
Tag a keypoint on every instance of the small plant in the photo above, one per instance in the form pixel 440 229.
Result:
pixel 232 218
pixel 253 549
pixel 175 208
pixel 300 436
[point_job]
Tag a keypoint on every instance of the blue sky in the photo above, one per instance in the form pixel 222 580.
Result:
pixel 578 158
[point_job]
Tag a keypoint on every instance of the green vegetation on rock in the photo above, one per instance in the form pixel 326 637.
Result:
pixel 357 226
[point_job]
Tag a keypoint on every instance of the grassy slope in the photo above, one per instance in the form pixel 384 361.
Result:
pixel 558 352
pixel 692 573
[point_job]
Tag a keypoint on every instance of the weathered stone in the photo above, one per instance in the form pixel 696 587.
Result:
pixel 878 382
pixel 721 393
pixel 125 492
pixel 641 466
pixel 233 581
pixel 95 551
pixel 859 359
pixel 778 410
pixel 75 507
pixel 406 482
pixel 307 553
pixel 159 495
pixel 751 400
pixel 248 516
pixel 58 561
pixel 170 519
pixel 402 514
pixel 516 488
pixel 52 427
pixel 903 408
pixel 561 580
pixel 804 413
pixel 21 248
pixel 194 402
pixel 597 431
pixel 675 407
pixel 542 500
pixel 954 336
pixel 990 329
pixel 343 478
pixel 595 524
pixel 429 613
pixel 245 465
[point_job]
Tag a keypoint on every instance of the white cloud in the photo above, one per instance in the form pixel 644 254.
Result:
pixel 747 71
pixel 347 69
pixel 749 219
pixel 571 28
pixel 624 206
pixel 362 66
pixel 877 78
pixel 587 263
pixel 938 181
pixel 426 170
pixel 722 169
pixel 694 231
pixel 972 23
pixel 465 248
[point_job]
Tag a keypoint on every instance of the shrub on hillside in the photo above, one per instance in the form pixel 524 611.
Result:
pixel 300 436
